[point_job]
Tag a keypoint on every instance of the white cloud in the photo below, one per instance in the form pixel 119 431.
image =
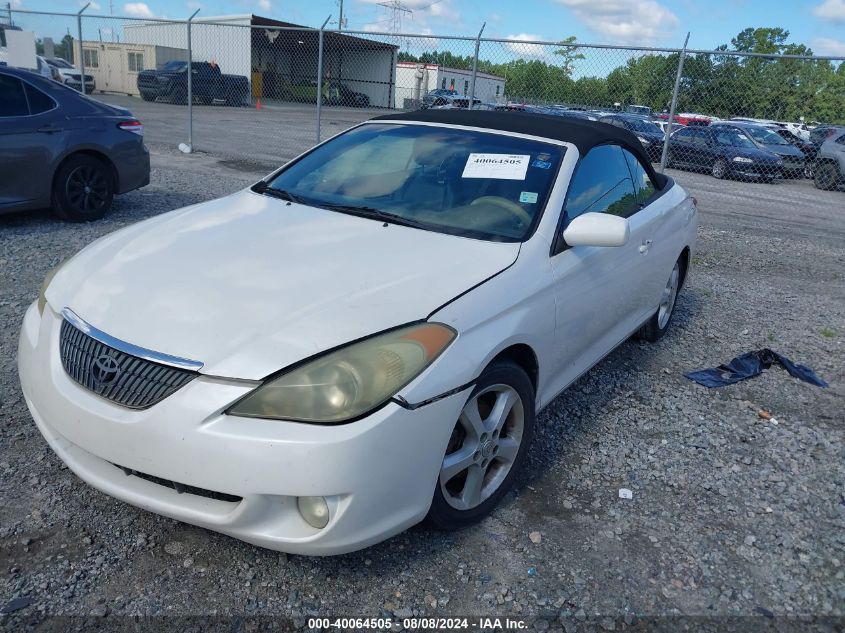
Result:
pixel 193 5
pixel 531 51
pixel 17 4
pixel 137 9
pixel 95 6
pixel 828 46
pixel 833 10
pixel 265 5
pixel 625 21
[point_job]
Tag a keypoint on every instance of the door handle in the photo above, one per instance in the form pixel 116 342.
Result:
pixel 49 129
pixel 645 246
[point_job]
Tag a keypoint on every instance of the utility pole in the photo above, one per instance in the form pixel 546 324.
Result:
pixel 340 19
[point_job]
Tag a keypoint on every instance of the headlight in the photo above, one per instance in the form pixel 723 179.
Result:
pixel 742 159
pixel 350 381
pixel 644 140
pixel 42 299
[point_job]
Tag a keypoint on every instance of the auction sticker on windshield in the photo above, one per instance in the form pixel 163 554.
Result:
pixel 499 166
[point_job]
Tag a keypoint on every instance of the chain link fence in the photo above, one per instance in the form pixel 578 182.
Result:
pixel 264 90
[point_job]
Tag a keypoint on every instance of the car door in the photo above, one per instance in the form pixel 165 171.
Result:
pixel 32 134
pixel 654 227
pixel 596 288
pixel 681 147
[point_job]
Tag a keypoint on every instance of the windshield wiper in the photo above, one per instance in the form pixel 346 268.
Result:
pixel 373 214
pixel 282 194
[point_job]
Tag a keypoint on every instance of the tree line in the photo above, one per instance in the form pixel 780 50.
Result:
pixel 719 84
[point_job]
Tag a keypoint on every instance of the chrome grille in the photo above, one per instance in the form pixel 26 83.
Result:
pixel 115 375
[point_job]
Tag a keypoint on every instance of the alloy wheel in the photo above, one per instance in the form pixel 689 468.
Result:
pixel 483 447
pixel 719 169
pixel 667 299
pixel 87 188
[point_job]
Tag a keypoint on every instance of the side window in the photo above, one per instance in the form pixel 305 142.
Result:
pixel 643 185
pixel 136 62
pixel 601 184
pixel 841 140
pixel 38 101
pixel 683 135
pixel 12 97
pixel 91 58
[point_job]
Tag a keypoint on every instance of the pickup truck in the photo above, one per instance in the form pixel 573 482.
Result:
pixel 208 84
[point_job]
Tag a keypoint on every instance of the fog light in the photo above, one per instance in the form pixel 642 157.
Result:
pixel 314 510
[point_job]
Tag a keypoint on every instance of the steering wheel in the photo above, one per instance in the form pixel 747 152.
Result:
pixel 507 205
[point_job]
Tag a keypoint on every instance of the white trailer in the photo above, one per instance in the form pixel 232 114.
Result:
pixel 414 80
pixel 115 66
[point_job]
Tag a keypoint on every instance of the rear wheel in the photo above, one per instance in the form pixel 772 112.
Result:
pixel 720 168
pixel 83 189
pixel 146 96
pixel 486 449
pixel 826 176
pixel 658 324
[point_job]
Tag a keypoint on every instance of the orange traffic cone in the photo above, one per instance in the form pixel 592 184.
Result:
pixel 258 103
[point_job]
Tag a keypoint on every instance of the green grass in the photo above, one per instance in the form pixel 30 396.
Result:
pixel 771 336
pixel 828 333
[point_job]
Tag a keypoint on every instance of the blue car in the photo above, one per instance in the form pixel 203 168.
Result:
pixel 63 150
pixel 767 139
pixel 646 131
pixel 724 152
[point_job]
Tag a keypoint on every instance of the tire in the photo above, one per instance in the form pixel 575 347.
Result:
pixel 657 326
pixel 180 96
pixel 826 176
pixel 146 96
pixel 492 463
pixel 71 201
pixel 719 169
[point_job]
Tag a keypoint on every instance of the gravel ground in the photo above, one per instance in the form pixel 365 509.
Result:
pixel 731 515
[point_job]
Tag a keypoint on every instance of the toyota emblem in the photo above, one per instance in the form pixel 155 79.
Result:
pixel 105 370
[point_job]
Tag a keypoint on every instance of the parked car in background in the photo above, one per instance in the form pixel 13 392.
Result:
pixel 46 70
pixel 70 76
pixel 429 99
pixel 340 94
pixel 807 148
pixel 724 152
pixel 639 110
pixel 829 170
pixel 821 133
pixel 446 275
pixel 63 150
pixel 664 126
pixel 208 85
pixel 451 102
pixel 573 113
pixel 764 138
pixel 647 132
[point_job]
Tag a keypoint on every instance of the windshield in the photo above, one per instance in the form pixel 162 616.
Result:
pixel 638 125
pixel 476 184
pixel 60 63
pixel 733 138
pixel 174 66
pixel 765 136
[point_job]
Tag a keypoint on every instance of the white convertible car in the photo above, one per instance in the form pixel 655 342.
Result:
pixel 361 340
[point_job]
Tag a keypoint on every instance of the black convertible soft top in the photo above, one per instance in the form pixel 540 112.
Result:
pixel 583 134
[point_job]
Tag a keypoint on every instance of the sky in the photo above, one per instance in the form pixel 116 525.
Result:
pixel 819 24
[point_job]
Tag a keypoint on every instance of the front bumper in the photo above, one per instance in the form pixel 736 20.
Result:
pixel 378 474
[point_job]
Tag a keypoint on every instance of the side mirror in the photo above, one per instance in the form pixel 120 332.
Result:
pixel 597 229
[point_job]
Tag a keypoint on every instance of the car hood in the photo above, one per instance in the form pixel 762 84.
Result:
pixel 250 284
pixel 759 155
pixel 785 150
